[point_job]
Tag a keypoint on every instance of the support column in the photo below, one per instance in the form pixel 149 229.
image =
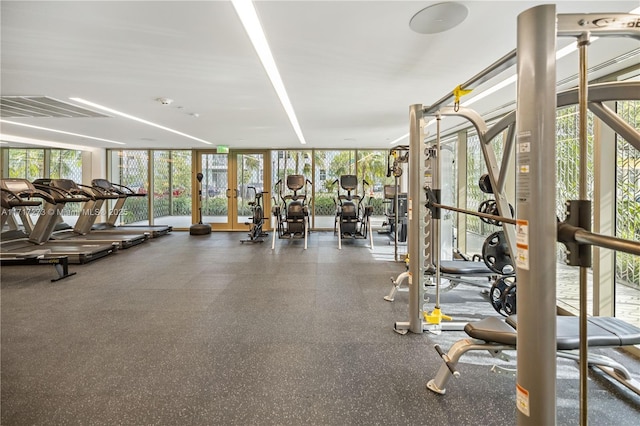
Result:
pixel 461 219
pixel 535 206
pixel 415 210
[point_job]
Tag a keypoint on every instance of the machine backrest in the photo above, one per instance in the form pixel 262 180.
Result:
pixel 349 182
pixel 389 192
pixel 295 182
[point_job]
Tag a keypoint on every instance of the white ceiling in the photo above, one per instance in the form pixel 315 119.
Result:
pixel 351 68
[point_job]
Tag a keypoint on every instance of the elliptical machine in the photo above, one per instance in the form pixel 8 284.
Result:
pixel 256 234
pixel 353 218
pixel 200 228
pixel 291 211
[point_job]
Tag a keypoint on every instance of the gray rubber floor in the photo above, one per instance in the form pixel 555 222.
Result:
pixel 203 330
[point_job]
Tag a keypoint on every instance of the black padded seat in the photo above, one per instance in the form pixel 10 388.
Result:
pixel 463 267
pixel 601 332
pixel 629 334
pixel 568 332
pixel 493 330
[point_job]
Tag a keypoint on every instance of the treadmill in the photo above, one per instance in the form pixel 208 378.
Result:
pixel 125 192
pixel 19 193
pixel 88 215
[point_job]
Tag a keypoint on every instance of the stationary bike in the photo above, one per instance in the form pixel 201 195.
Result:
pixel 256 234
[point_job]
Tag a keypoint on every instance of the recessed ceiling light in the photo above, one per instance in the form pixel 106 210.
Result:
pixel 438 18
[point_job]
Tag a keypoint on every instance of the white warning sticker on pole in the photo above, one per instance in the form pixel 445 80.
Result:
pixel 522 244
pixel 409 209
pixel 522 400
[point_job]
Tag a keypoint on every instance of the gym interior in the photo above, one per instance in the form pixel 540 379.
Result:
pixel 190 237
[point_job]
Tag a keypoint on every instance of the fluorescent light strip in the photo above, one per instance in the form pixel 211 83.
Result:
pixel 491 90
pixel 395 141
pixel 7 139
pixel 140 120
pixel 429 123
pixel 249 18
pixel 60 131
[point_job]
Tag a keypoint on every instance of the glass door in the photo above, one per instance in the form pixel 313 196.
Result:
pixel 249 180
pixel 229 183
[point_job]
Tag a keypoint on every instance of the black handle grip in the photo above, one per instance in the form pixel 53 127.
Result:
pixel 446 360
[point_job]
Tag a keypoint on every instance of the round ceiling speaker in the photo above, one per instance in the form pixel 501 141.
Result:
pixel 438 18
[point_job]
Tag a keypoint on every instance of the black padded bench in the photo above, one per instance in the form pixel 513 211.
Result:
pixel 495 335
pixel 453 270
pixel 464 267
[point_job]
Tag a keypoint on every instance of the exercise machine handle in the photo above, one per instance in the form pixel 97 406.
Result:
pixel 447 361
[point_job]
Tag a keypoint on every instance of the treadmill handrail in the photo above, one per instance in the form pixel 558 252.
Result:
pixel 62 196
pixel 122 190
pixel 102 193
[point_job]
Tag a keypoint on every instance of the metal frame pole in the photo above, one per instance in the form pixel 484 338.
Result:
pixel 583 42
pixel 535 206
pixel 436 226
pixel 396 219
pixel 415 210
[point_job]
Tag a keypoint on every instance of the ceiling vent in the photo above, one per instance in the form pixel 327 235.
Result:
pixel 41 106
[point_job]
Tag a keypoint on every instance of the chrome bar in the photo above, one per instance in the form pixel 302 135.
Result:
pixel 583 90
pixel 606 241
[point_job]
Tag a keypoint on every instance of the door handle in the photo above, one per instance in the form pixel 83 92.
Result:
pixel 227 193
pixel 235 193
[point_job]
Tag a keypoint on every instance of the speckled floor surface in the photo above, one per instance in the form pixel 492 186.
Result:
pixel 187 330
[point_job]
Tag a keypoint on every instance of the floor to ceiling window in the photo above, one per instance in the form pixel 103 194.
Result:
pixel 329 166
pixel 168 193
pixel 131 169
pixel 36 163
pixel 372 169
pixel 172 187
pixel 627 266
pixel 567 178
pixel 26 163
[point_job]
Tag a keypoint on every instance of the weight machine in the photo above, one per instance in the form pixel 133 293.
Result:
pixel 425 202
pixel 397 213
pixel 442 272
pixel 291 212
pixel 536 227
